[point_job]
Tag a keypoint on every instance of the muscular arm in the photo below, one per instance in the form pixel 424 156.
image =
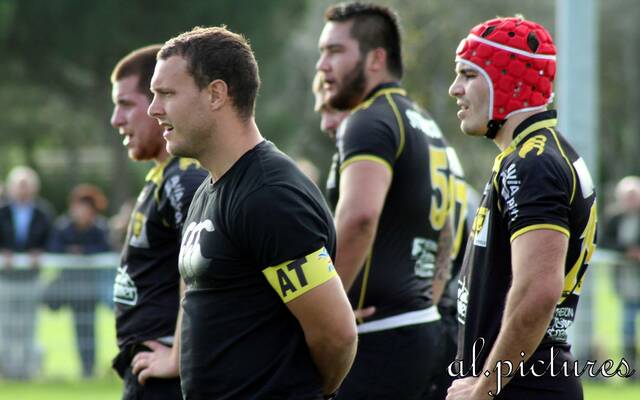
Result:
pixel 538 259
pixel 363 189
pixel 329 329
pixel 162 361
pixel 443 262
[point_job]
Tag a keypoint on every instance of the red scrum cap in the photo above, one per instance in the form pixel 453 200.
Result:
pixel 518 60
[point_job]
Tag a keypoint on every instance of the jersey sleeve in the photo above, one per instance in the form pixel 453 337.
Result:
pixel 535 193
pixel 367 136
pixel 179 189
pixel 287 238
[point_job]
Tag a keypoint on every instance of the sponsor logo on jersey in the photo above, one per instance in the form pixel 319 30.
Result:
pixel 428 126
pixel 124 288
pixel 423 251
pixel 138 231
pixel 191 260
pixel 562 320
pixel 174 191
pixel 480 227
pixel 463 300
pixel 535 143
pixel 510 186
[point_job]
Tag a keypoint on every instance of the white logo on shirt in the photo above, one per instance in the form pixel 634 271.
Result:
pixel 192 262
pixel 124 288
pixel 463 300
pixel 510 186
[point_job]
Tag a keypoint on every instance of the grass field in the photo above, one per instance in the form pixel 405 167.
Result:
pixel 61 370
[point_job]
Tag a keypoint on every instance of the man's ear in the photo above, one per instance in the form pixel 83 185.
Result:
pixel 376 59
pixel 218 94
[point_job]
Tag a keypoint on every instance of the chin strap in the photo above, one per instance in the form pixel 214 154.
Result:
pixel 493 127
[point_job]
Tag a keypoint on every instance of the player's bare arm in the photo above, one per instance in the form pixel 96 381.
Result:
pixel 363 189
pixel 443 262
pixel 329 329
pixel 538 259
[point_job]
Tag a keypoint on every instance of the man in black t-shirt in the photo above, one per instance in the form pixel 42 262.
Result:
pixel 265 314
pixel 534 232
pixel 146 290
pixel 390 185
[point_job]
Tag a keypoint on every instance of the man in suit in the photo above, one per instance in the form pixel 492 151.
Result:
pixel 25 222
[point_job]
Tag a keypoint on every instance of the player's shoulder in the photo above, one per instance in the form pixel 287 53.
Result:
pixel 539 148
pixel 184 168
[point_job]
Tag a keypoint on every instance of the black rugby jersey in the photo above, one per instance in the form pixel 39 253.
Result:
pixel 390 129
pixel 146 289
pixel 260 236
pixel 538 182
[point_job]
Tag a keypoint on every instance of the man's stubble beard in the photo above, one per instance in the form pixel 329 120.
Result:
pixel 353 90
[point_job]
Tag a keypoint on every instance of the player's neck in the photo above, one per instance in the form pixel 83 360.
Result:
pixel 233 139
pixel 376 80
pixel 162 156
pixel 505 135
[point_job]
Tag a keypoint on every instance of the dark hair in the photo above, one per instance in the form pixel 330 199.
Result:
pixel 89 194
pixel 216 53
pixel 373 26
pixel 140 63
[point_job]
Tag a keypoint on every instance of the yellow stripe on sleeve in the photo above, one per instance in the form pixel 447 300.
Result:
pixel 530 228
pixel 366 157
pixel 293 278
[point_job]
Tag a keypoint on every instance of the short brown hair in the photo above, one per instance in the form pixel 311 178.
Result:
pixel 89 194
pixel 140 63
pixel 373 26
pixel 217 53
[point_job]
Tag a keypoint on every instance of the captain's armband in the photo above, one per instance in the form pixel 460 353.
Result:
pixel 294 278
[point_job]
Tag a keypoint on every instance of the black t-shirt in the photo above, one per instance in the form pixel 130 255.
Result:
pixel 390 129
pixel 257 238
pixel 538 182
pixel 146 289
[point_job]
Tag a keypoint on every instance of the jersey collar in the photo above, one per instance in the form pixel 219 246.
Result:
pixel 380 90
pixel 542 120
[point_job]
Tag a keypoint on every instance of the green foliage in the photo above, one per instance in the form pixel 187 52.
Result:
pixel 58 55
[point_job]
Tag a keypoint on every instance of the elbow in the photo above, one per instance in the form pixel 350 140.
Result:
pixel 360 220
pixel 343 338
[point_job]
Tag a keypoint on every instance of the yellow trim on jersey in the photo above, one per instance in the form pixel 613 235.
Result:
pixel 155 174
pixel 367 103
pixel 497 162
pixel 588 246
pixel 571 167
pixel 536 227
pixel 396 112
pixel 365 281
pixel 185 163
pixel 366 157
pixel 293 278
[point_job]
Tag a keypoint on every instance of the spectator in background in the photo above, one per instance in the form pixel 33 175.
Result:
pixel 25 223
pixel 622 233
pixel 82 231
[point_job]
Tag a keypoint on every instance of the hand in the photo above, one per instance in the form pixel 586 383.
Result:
pixel 465 389
pixel 8 259
pixel 364 312
pixel 157 363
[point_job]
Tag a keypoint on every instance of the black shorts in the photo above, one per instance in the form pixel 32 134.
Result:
pixel 394 364
pixel 448 348
pixel 546 387
pixel 153 389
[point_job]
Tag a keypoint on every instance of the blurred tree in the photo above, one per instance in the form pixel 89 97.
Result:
pixel 58 55
pixel 62 52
